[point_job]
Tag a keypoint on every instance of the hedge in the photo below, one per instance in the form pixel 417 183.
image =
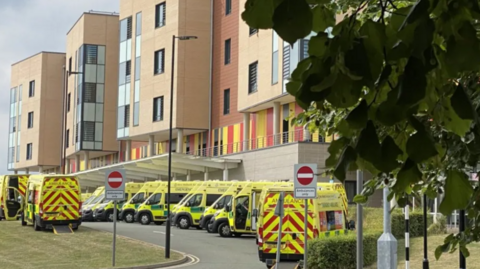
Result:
pixel 373 221
pixel 339 252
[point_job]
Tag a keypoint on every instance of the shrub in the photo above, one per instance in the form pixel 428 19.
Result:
pixel 438 228
pixel 373 221
pixel 339 252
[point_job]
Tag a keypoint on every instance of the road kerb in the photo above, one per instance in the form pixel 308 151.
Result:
pixel 159 265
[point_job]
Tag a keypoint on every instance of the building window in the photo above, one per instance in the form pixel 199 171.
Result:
pixel 304 49
pixel 138 30
pixel 253 31
pixel 30 120
pixel 228 7
pixel 88 131
pixel 226 102
pixel 129 28
pixel 158 109
pixel 90 93
pixel 67 138
pixel 128 71
pixel 29 151
pixel 228 45
pixel 252 77
pixel 69 96
pixel 159 62
pixel 92 52
pixel 31 89
pixel 160 15
pixel 70 65
pixel 127 116
pixel 274 57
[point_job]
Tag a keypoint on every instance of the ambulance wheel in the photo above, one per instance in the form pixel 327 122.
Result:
pixel 24 223
pixel 110 216
pixel 145 219
pixel 158 222
pixel 128 218
pixel 183 223
pixel 210 229
pixel 224 230
pixel 35 226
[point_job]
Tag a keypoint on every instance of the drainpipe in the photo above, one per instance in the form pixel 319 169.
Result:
pixel 210 93
pixel 64 119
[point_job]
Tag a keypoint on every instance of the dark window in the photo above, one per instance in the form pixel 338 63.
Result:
pixel 226 102
pixel 127 115
pixel 30 120
pixel 129 28
pixel 67 138
pixel 69 96
pixel 211 198
pixel 195 200
pixel 286 62
pixel 29 151
pixel 252 77
pixel 155 199
pixel 31 89
pixel 158 108
pixel 159 62
pixel 88 130
pixel 70 64
pixel 228 7
pixel 175 198
pixel 253 31
pixel 160 15
pixel 128 71
pixel 228 45
pixel 92 52
pixel 304 49
pixel 90 93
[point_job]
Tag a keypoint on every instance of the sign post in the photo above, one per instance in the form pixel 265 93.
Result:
pixel 279 212
pixel 305 187
pixel 114 191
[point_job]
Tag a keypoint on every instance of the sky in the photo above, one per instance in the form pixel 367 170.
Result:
pixel 31 26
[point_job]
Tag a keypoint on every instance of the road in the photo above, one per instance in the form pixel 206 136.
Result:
pixel 213 251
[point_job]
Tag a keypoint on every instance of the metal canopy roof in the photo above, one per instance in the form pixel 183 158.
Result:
pixel 154 167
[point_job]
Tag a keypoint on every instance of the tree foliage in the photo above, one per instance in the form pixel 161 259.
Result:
pixel 398 81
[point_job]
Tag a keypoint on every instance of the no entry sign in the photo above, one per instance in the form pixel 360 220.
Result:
pixel 305 182
pixel 115 185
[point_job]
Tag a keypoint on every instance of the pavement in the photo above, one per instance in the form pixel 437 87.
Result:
pixel 212 251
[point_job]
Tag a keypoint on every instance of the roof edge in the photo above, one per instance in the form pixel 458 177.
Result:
pixel 41 52
pixel 93 12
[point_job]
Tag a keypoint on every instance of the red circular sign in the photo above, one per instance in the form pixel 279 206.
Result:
pixel 115 179
pixel 305 175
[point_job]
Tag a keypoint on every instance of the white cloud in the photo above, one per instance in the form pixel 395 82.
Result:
pixel 31 26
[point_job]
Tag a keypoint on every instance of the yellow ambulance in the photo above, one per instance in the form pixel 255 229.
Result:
pixel 104 211
pixel 87 210
pixel 155 207
pixel 85 196
pixel 128 209
pixel 12 194
pixel 189 213
pixel 326 217
pixel 184 199
pixel 51 201
pixel 219 204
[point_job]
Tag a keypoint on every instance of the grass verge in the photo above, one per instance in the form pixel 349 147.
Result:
pixel 446 261
pixel 22 248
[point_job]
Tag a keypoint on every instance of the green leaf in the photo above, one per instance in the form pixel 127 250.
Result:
pixel 360 199
pixel 367 146
pixel 302 66
pixel 335 149
pixel 357 62
pixel 318 45
pixel 292 20
pixel 408 175
pixel 442 249
pixel 461 104
pixel 463 52
pixel 357 118
pixel 326 83
pixel 374 43
pixel 418 11
pixel 458 191
pixel 447 116
pixel 258 14
pixel 323 18
pixel 293 87
pixel 413 83
pixel 348 156
pixel 389 113
pixel 465 251
pixel 421 147
pixel 389 152
pixel 345 92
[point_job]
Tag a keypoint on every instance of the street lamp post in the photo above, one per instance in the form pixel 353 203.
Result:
pixel 170 138
pixel 64 114
pixel 426 264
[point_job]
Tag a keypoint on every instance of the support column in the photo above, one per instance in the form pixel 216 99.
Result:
pixel 276 123
pixel 386 244
pixel 179 140
pixel 86 160
pixel 77 163
pixel 128 151
pixel 246 131
pixel 225 174
pixel 67 166
pixel 151 145
pixel 40 169
pixel 205 175
pixel 189 175
pixel 27 171
pixel 15 172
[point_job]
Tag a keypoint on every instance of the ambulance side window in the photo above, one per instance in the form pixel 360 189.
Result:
pixel 330 220
pixel 30 196
pixel 196 200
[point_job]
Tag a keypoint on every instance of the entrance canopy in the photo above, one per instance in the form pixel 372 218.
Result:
pixel 156 167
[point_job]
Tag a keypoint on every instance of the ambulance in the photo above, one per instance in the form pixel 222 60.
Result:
pixel 184 199
pixel 87 210
pixel 85 196
pixel 189 213
pixel 326 217
pixel 127 212
pixel 12 195
pixel 104 211
pixel 154 209
pixel 219 204
pixel 52 201
pixel 92 197
pixel 229 222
